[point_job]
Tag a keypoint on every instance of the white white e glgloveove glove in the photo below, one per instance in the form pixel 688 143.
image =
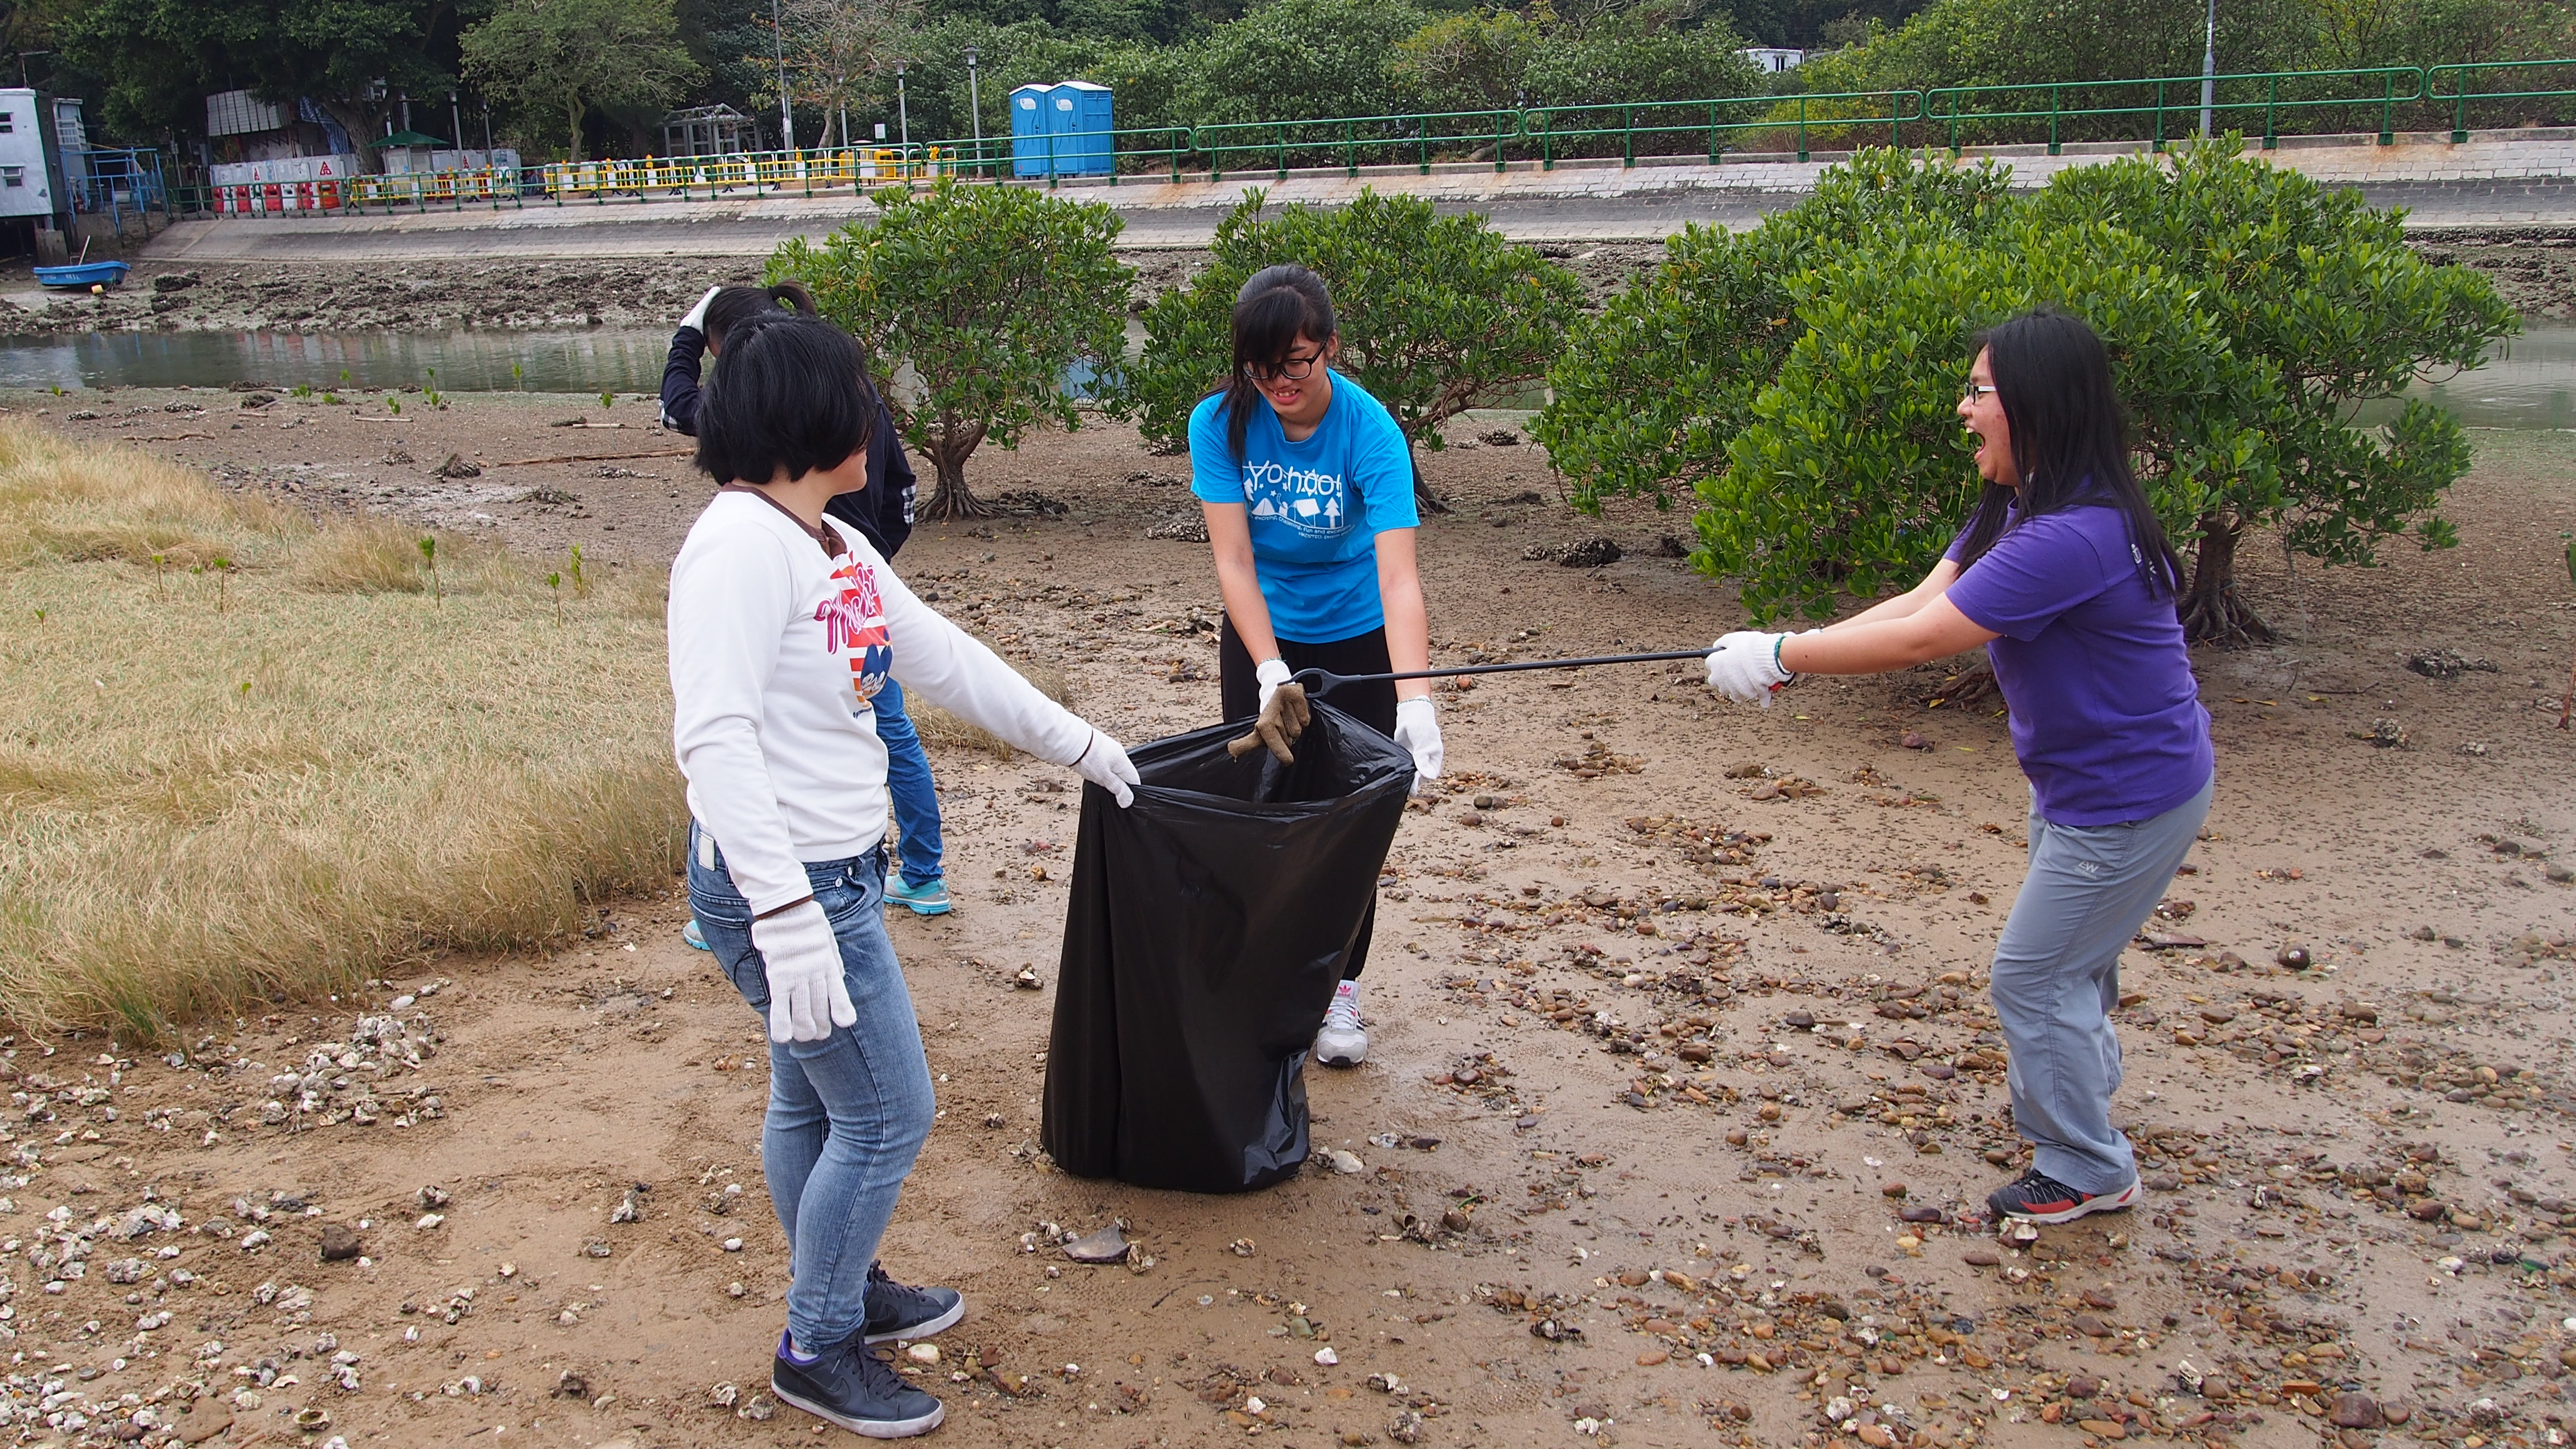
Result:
pixel 698 314
pixel 1745 666
pixel 807 994
pixel 1417 729
pixel 1104 763
pixel 1272 674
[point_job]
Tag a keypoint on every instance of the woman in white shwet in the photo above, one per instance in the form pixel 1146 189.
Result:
pixel 784 622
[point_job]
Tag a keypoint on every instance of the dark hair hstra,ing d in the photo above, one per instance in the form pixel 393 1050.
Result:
pixel 1277 306
pixel 733 306
pixel 793 396
pixel 2069 441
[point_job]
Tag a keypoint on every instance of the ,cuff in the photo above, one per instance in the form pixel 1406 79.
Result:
pixel 1274 670
pixel 1081 735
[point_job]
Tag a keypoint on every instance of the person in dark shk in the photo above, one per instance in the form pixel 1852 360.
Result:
pixel 883 512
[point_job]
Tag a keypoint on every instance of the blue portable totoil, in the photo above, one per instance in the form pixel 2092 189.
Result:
pixel 1063 129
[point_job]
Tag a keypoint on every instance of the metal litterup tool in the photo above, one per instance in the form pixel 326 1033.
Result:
pixel 1286 716
pixel 1319 680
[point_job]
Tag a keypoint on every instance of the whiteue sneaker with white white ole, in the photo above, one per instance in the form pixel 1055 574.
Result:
pixel 1342 1042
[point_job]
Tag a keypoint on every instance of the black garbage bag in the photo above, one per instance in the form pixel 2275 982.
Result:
pixel 1209 924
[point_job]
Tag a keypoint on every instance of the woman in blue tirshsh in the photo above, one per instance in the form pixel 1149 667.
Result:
pixel 1308 488
pixel 2065 576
